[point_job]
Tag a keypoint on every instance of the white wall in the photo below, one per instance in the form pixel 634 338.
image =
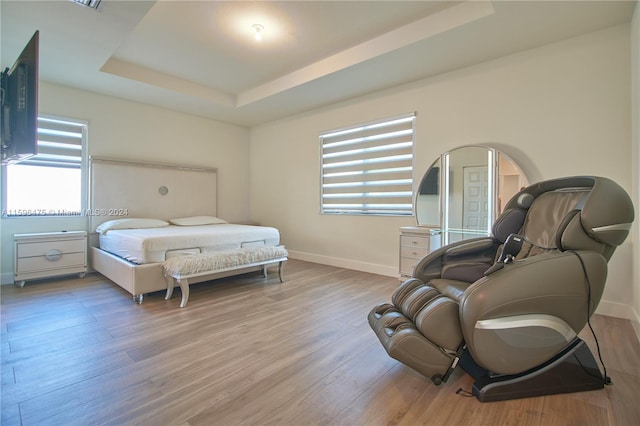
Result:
pixel 559 110
pixel 126 130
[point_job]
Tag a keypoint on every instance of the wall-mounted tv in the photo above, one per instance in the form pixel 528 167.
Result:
pixel 19 112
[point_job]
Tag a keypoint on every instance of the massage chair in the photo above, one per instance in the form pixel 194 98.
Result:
pixel 508 308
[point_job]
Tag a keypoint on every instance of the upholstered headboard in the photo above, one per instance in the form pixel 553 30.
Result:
pixel 121 189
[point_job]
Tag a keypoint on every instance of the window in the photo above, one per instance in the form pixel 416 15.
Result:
pixel 368 169
pixel 51 182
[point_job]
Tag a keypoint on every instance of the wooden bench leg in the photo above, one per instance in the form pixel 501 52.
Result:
pixel 169 281
pixel 184 289
pixel 183 282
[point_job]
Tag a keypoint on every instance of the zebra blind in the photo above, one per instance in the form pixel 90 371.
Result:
pixel 60 144
pixel 52 182
pixel 368 169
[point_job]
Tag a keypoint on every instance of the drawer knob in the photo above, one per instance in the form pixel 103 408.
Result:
pixel 53 255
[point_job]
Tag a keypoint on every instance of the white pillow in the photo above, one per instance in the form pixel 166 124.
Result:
pixel 197 220
pixel 131 223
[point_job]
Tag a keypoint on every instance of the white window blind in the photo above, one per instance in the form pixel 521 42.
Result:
pixel 368 169
pixel 59 144
pixel 52 181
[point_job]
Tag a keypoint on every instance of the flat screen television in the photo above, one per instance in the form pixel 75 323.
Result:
pixel 19 121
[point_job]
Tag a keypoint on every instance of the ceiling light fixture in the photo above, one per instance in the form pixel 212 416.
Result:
pixel 89 3
pixel 257 28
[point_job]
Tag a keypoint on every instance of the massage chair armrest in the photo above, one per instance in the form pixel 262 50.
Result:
pixel 548 292
pixel 457 259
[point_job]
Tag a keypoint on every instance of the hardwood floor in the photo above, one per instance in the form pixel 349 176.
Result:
pixel 249 351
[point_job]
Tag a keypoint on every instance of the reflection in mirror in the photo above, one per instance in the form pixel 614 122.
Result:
pixel 464 191
pixel 466 202
pixel 428 199
pixel 510 180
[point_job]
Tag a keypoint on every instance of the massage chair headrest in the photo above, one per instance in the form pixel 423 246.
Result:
pixel 605 213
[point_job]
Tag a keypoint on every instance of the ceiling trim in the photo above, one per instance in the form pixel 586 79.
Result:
pixel 414 32
pixel 146 75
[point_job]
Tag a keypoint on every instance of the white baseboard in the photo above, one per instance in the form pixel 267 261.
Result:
pixel 389 271
pixel 635 323
pixel 616 310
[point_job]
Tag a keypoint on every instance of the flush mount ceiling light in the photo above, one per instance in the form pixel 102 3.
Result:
pixel 89 3
pixel 257 31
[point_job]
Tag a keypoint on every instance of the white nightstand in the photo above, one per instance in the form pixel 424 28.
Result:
pixel 415 243
pixel 49 254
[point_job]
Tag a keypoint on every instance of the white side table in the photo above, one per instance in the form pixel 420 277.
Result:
pixel 49 254
pixel 415 243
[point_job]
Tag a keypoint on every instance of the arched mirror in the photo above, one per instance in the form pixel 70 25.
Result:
pixel 464 190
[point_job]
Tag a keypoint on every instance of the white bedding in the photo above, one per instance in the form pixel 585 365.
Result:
pixel 153 245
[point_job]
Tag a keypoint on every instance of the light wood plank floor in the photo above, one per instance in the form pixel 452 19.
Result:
pixel 253 351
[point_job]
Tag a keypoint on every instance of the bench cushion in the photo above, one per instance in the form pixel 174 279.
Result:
pixel 195 264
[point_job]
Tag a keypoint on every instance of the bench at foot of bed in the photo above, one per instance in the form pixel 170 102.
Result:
pixel 210 265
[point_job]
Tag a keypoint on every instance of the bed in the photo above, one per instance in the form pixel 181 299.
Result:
pixel 142 214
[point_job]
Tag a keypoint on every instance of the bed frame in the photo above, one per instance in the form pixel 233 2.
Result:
pixel 148 278
pixel 138 189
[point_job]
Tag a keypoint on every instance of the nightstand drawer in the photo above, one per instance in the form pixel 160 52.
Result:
pixel 411 241
pixel 413 252
pixel 407 266
pixel 52 261
pixel 42 248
